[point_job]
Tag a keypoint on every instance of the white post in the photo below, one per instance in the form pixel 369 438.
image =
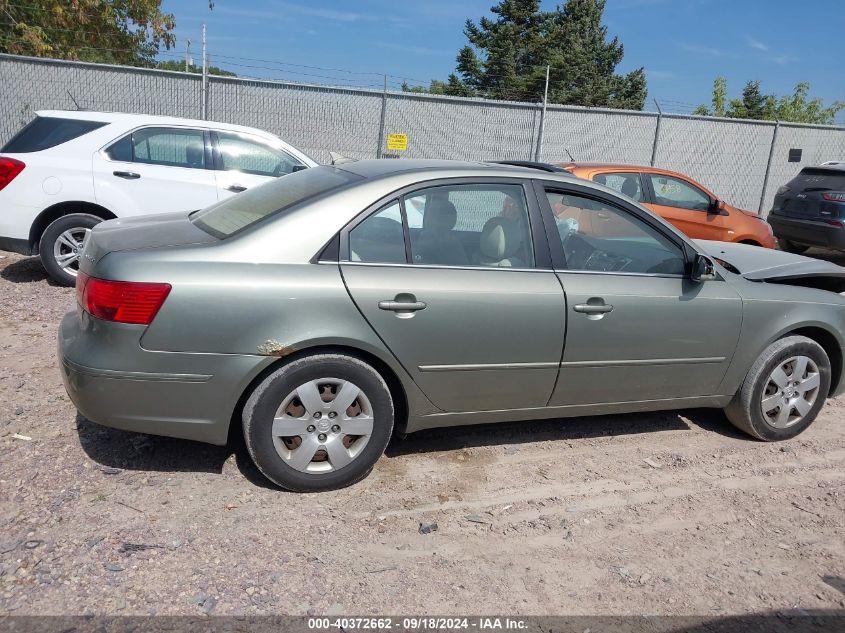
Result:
pixel 204 76
pixel 542 119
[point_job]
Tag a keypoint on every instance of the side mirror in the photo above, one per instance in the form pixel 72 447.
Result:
pixel 297 168
pixel 703 269
pixel 717 207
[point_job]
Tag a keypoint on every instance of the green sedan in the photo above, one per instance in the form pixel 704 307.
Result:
pixel 322 313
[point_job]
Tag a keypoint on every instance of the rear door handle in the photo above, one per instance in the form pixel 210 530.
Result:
pixel 236 188
pixel 593 308
pixel 402 306
pixel 128 175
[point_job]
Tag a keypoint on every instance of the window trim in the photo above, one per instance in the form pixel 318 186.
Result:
pixel 652 196
pixel 553 237
pixel 207 154
pixel 217 158
pixel 540 244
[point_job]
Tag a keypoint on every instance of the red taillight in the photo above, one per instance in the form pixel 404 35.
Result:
pixel 834 196
pixel 9 169
pixel 120 301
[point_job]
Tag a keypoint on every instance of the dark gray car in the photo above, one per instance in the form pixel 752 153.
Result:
pixel 810 210
pixel 322 312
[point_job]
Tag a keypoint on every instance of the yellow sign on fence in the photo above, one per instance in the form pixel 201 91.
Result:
pixel 397 142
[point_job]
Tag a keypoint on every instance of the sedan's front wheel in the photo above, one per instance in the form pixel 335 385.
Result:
pixel 318 423
pixel 784 390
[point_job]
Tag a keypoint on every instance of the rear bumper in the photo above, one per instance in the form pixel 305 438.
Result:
pixel 809 232
pixel 114 382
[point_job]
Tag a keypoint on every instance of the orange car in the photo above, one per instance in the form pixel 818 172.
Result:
pixel 682 201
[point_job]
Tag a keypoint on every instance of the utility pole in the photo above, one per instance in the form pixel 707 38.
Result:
pixel 187 56
pixel 204 76
pixel 542 118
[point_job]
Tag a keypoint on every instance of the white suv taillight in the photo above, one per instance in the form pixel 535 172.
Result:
pixel 9 169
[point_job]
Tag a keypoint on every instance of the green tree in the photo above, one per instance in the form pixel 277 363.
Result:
pixel 180 65
pixel 795 107
pixel 453 87
pixel 718 102
pixel 507 55
pixel 113 31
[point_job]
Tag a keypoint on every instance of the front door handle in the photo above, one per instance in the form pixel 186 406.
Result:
pixel 236 188
pixel 595 308
pixel 589 308
pixel 402 306
pixel 128 175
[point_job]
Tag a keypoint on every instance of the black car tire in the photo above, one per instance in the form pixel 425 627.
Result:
pixel 791 247
pixel 262 405
pixel 74 221
pixel 744 411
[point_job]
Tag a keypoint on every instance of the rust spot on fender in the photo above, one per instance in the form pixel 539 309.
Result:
pixel 272 347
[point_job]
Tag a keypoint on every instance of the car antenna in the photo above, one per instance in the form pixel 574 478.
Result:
pixel 571 160
pixel 72 99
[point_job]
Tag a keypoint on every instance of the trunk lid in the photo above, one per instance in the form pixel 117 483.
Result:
pixel 802 197
pixel 141 233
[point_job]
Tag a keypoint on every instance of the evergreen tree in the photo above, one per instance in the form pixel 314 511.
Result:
pixel 507 55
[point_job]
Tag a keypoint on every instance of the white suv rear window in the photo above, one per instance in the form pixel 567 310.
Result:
pixel 46 132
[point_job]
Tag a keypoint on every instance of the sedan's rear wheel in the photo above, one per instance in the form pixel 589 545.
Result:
pixel 320 422
pixel 784 390
pixel 61 245
pixel 791 247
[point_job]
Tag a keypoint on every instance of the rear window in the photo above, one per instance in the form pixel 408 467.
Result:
pixel 46 132
pixel 818 179
pixel 241 211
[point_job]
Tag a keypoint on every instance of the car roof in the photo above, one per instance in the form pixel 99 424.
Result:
pixel 136 119
pixel 609 166
pixel 379 168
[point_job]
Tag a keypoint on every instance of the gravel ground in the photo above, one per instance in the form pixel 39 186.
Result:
pixel 665 513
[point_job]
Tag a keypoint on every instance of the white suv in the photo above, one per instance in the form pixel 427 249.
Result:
pixel 66 171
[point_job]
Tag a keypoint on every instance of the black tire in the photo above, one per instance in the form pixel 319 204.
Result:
pixel 744 411
pixel 262 405
pixel 76 222
pixel 791 247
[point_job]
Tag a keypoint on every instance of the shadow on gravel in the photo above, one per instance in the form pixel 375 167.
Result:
pixel 113 448
pixel 26 271
pixel 560 429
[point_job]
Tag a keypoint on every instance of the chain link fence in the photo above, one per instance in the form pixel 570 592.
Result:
pixel 731 157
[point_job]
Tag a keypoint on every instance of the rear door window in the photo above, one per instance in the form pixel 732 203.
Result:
pixel 171 147
pixel 624 182
pixel 46 132
pixel 470 225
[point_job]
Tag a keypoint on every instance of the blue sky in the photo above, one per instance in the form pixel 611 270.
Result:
pixel 683 44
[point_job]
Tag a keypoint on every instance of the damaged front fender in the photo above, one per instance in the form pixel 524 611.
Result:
pixel 763 264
